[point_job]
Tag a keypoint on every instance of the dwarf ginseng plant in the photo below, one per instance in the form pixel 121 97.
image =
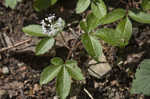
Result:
pixel 118 36
pixel 63 71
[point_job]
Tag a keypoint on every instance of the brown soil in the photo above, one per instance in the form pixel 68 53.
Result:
pixel 22 82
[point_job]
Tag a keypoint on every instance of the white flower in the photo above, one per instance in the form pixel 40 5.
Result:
pixel 51 26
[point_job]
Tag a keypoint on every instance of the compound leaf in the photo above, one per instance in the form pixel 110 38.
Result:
pixel 63 83
pixel 34 30
pixel 113 16
pixel 74 70
pixel 99 8
pixel 92 46
pixel 82 5
pixel 49 73
pixel 57 61
pixel 141 83
pixel 44 45
pixel 141 17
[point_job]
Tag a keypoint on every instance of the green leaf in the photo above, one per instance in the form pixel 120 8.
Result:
pixel 140 84
pixel 52 2
pixel 124 29
pixel 111 37
pixel 141 17
pixel 92 46
pixel 43 4
pixel 11 3
pixel 92 22
pixel 113 16
pixel 83 26
pixel 34 30
pixel 44 45
pixel 146 4
pixel 60 23
pixel 74 70
pixel 49 73
pixel 82 5
pixel 57 61
pixel 63 83
pixel 99 8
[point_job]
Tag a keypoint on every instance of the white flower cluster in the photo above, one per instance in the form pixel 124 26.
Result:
pixel 51 26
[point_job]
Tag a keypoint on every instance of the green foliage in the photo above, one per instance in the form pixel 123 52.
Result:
pixel 146 4
pixel 110 36
pixel 92 22
pixel 124 30
pixel 120 36
pixel 11 3
pixel 57 61
pixel 49 73
pixel 83 26
pixel 99 8
pixel 44 45
pixel 92 46
pixel 82 5
pixel 43 4
pixel 34 30
pixel 63 72
pixel 74 70
pixel 63 83
pixel 141 83
pixel 113 16
pixel 140 16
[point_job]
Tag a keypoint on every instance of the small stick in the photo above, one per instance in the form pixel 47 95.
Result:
pixel 73 32
pixel 64 40
pixel 71 50
pixel 15 45
pixel 88 93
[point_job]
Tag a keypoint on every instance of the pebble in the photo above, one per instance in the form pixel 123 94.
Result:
pixel 20 64
pixel 100 69
pixel 55 97
pixel 36 87
pixel 5 70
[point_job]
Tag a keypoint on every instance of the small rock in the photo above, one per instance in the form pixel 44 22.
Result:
pixel 36 87
pixel 99 69
pixel 5 70
pixel 3 94
pixel 20 64
pixel 55 97
pixel 74 97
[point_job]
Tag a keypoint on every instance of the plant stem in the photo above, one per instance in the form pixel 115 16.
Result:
pixel 72 49
pixel 64 41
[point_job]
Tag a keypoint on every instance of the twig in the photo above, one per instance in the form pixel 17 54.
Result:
pixel 71 50
pixel 88 93
pixel 15 45
pixel 73 32
pixel 64 41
